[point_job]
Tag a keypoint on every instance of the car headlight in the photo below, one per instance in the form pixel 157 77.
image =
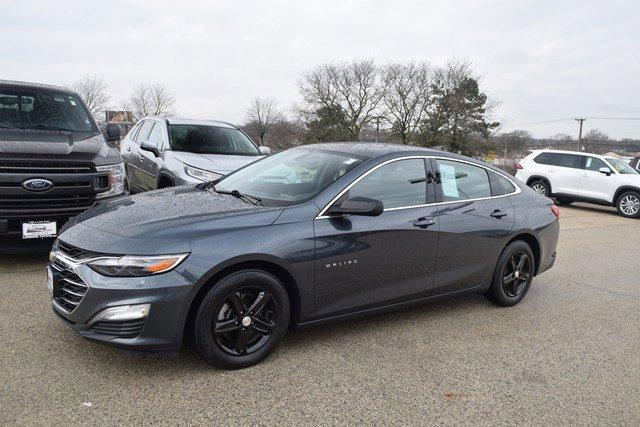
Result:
pixel 135 265
pixel 115 180
pixel 201 174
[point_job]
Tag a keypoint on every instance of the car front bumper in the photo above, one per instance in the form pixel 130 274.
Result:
pixel 168 296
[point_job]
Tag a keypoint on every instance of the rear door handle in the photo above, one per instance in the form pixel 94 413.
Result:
pixel 498 214
pixel 424 222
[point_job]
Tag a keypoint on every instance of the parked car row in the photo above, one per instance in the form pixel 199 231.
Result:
pixel 55 163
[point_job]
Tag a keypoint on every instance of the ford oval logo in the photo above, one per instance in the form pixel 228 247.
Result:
pixel 37 184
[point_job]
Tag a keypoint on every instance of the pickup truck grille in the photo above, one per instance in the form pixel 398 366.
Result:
pixel 74 187
pixel 44 167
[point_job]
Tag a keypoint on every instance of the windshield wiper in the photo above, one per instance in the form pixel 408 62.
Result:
pixel 235 193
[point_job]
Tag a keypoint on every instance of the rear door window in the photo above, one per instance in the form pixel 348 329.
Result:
pixel 569 161
pixel 462 181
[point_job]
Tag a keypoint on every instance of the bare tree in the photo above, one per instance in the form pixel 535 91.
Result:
pixel 562 136
pixel 406 97
pixel 93 91
pixel 354 88
pixel 596 134
pixel 150 100
pixel 262 114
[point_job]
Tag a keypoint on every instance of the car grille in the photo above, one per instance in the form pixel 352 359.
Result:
pixel 124 329
pixel 37 167
pixel 72 288
pixel 74 189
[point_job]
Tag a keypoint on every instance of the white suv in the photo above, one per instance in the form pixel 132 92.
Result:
pixel 571 176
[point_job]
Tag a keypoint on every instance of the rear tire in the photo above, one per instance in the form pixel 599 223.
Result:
pixel 563 201
pixel 628 204
pixel 513 275
pixel 541 187
pixel 242 319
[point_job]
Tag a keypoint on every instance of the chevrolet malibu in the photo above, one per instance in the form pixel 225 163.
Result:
pixel 307 236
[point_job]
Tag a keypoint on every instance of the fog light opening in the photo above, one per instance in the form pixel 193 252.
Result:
pixel 122 313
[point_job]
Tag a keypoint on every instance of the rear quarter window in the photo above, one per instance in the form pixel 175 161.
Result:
pixel 500 185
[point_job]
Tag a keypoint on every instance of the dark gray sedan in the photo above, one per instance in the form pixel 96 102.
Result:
pixel 309 235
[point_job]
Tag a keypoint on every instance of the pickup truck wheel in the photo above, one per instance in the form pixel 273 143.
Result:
pixel 629 204
pixel 541 187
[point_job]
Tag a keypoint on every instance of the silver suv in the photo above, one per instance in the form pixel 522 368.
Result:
pixel 162 152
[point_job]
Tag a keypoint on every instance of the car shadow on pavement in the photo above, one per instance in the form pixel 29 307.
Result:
pixel 298 344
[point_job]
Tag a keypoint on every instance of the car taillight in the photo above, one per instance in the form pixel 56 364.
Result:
pixel 556 211
pixel 518 165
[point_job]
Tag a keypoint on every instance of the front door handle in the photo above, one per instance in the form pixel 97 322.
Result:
pixel 498 214
pixel 424 222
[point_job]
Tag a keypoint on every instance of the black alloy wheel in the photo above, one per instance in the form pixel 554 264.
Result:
pixel 245 320
pixel 513 274
pixel 241 319
pixel 516 274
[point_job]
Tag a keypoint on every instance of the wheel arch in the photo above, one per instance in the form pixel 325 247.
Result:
pixel 267 265
pixel 164 177
pixel 532 241
pixel 623 189
pixel 541 178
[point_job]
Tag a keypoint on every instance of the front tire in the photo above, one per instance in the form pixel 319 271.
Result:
pixel 541 187
pixel 513 275
pixel 628 204
pixel 242 319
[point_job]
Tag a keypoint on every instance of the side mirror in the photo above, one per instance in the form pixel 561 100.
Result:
pixel 113 132
pixel 264 150
pixel 605 171
pixel 358 206
pixel 150 146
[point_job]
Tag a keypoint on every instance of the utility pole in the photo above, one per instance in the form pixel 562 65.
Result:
pixel 581 121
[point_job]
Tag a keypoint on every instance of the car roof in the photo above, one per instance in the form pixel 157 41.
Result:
pixel 201 122
pixel 371 150
pixel 35 86
pixel 579 153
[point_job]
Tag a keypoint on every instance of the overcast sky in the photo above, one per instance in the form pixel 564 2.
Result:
pixel 543 60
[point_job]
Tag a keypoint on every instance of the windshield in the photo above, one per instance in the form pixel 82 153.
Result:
pixel 621 167
pixel 43 109
pixel 290 177
pixel 204 139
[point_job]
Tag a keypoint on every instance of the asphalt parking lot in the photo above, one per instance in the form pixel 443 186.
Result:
pixel 569 353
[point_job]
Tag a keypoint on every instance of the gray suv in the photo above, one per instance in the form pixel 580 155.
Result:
pixel 163 152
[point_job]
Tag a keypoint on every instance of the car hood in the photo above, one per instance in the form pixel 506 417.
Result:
pixel 67 145
pixel 218 163
pixel 154 221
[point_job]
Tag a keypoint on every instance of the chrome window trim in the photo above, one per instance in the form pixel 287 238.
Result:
pixel 518 190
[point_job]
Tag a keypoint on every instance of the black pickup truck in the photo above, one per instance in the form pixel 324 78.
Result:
pixel 54 163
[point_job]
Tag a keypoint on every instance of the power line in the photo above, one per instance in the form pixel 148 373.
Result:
pixel 613 118
pixel 571 118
